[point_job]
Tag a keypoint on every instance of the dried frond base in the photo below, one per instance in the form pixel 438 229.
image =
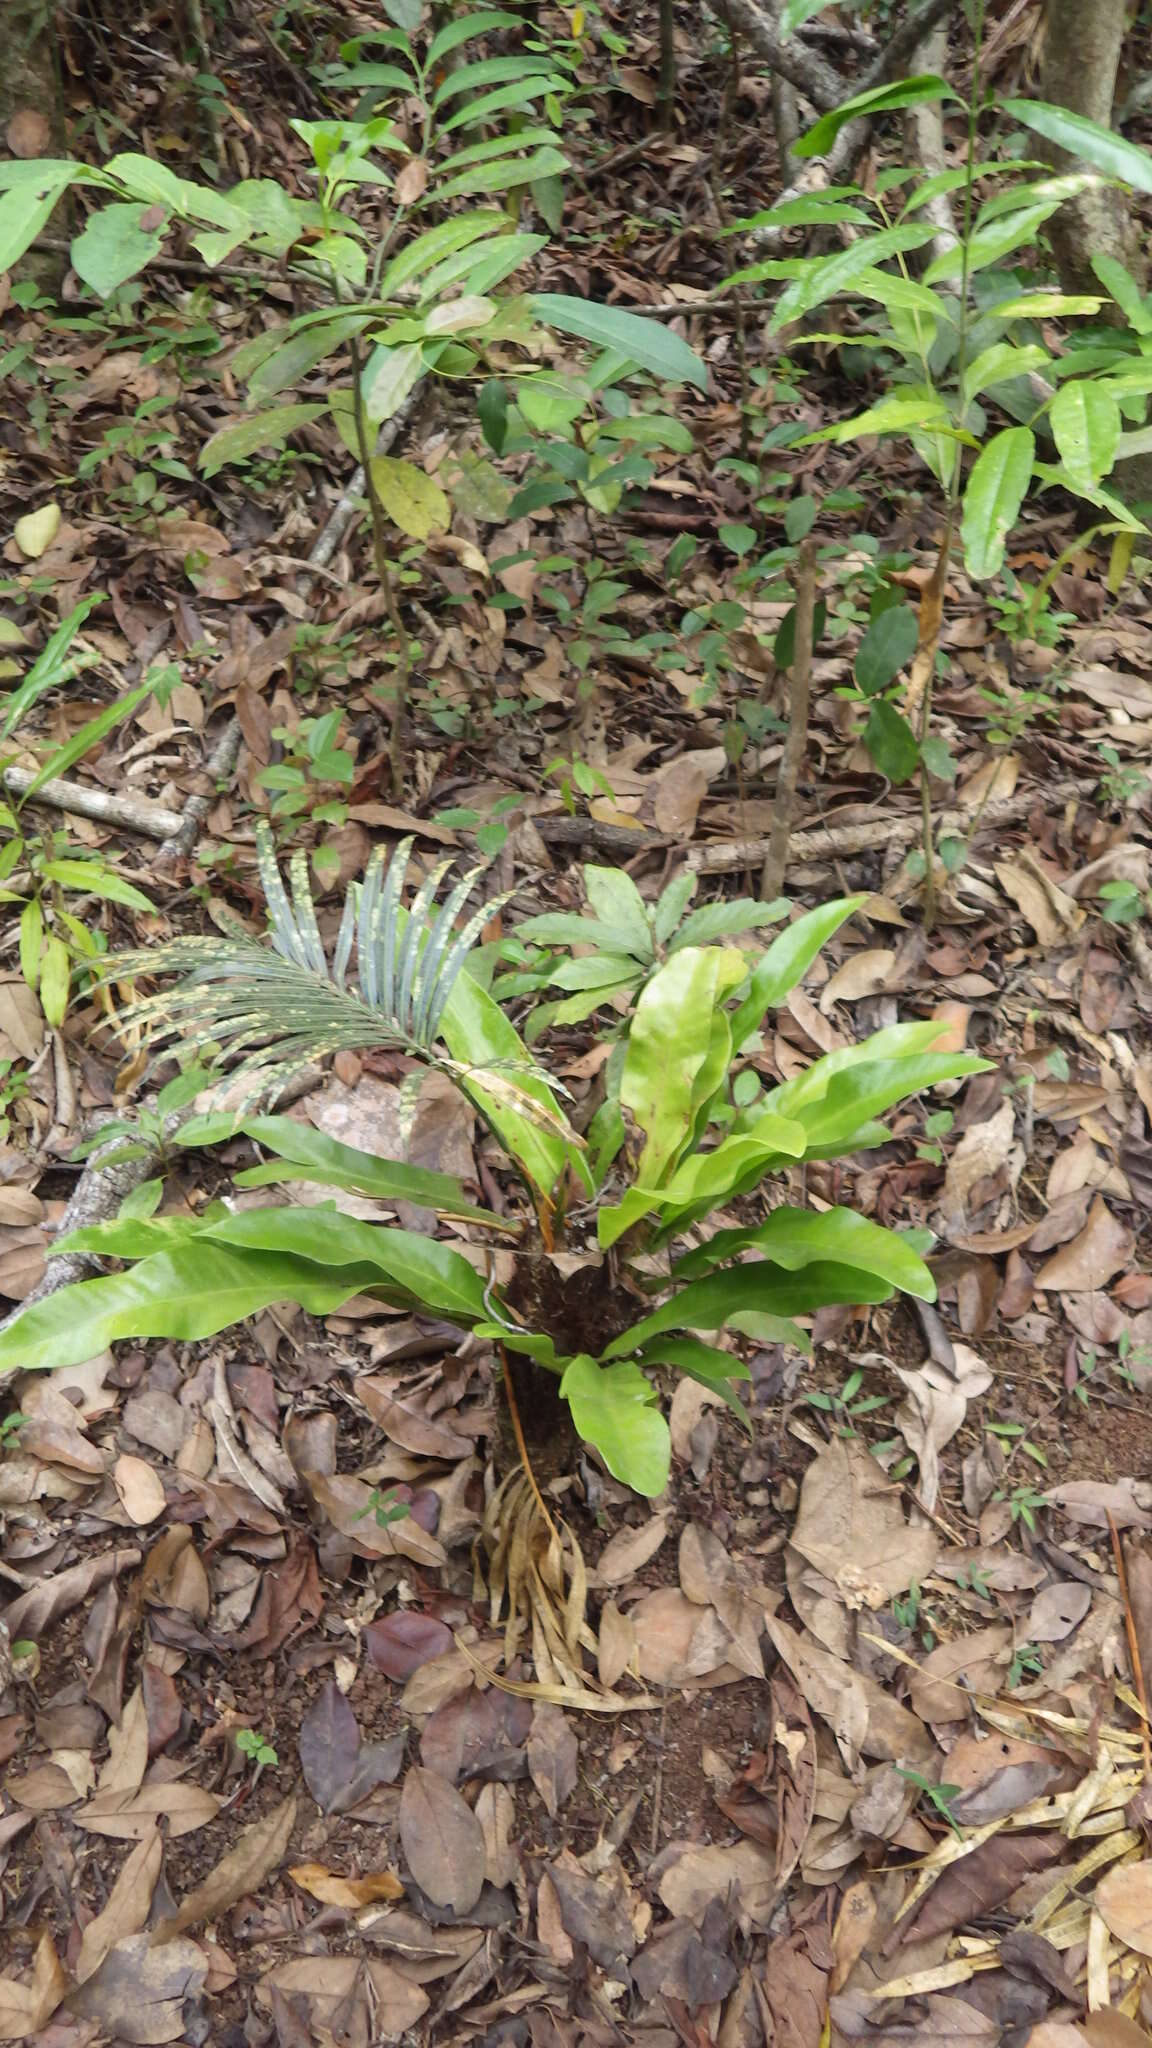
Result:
pixel 530 1568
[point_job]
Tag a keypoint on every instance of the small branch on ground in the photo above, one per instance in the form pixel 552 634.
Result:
pixel 217 770
pixel 796 743
pixel 88 800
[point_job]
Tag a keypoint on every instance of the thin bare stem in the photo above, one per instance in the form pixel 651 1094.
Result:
pixel 397 746
pixel 796 743
pixel 521 1446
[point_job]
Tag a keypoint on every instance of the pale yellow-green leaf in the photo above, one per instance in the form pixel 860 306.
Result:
pixel 412 500
pixel 55 976
pixel 11 635
pixel 36 532
pixel 458 315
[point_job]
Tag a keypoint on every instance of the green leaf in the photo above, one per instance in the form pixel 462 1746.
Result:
pixel 881 99
pixel 643 342
pixel 477 1032
pixel 419 1266
pixel 246 437
pixel 30 192
pixel 1122 286
pixel 524 93
pixel 617 903
pixel 795 13
pixel 614 1408
pixel 992 243
pixel 724 920
pixel 51 665
pixel 707 1364
pixel 1087 139
pixel 389 375
pixel 285 366
pixel 667 1048
pixel 411 499
pixel 97 880
pixel 187 1294
pixel 787 961
pixel 826 276
pixel 465 29
pixel 492 71
pixel 503 174
pixel 1086 427
pixel 861 1090
pixel 445 240
pixel 31 941
pixel 705 1179
pixel 710 1304
pixel 887 647
pixel 993 496
pixel 797 1237
pixel 387 1180
pixel 901 412
pixel 999 364
pixel 87 736
pixel 113 247
pixel 891 742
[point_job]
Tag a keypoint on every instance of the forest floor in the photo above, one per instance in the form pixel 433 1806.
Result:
pixel 887 1774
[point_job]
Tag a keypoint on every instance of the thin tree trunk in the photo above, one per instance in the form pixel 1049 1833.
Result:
pixel 1082 44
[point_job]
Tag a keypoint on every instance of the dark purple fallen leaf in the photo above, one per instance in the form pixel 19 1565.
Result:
pixel 442 1839
pixel 340 1770
pixel 400 1643
pixel 594 1911
pixel 676 1963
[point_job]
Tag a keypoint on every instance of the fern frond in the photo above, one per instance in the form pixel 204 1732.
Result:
pixel 268 1010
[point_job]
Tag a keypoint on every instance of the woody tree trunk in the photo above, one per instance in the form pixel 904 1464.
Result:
pixel 1082 44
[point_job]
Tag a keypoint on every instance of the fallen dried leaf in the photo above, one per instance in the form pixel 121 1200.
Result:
pixel 1102 1248
pixel 1124 1902
pixel 442 1840
pixel 256 1854
pixel 139 1993
pixel 324 1884
pixel 127 1908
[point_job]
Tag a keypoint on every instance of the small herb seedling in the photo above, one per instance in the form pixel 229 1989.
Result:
pixel 845 1406
pixel 251 1743
pixel 939 1796
pixel 1026 1663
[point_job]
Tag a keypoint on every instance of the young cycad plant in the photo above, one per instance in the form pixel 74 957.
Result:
pixel 680 1137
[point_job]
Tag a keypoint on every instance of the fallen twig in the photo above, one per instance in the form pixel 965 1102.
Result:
pixel 88 800
pixel 796 741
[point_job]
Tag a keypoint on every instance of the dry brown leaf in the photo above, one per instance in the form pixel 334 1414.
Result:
pixel 628 1551
pixel 553 1755
pixel 933 1410
pixel 699 1875
pixel 442 1839
pixel 324 1884
pixel 496 1813
pixel 861 1713
pixel 348 1503
pixel 404 1421
pixel 1127 1501
pixel 25 2007
pixel 255 1855
pixel 1124 1902
pixel 1103 1248
pixel 675 1639
pixel 852 1529
pixel 1054 916
pixel 984 1151
pixel 329 1984
pixel 969 1889
pixel 127 1750
pixel 863 974
pixel 140 1489
pixel 127 1908
pixel 139 1992
pixel 616 1645
pixel 950 1673
pixel 131 1816
pixel 1057 1611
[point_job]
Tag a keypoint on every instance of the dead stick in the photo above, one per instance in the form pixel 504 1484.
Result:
pixel 1133 1645
pixel 88 800
pixel 796 743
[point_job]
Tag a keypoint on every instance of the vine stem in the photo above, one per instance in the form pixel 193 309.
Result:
pixel 397 749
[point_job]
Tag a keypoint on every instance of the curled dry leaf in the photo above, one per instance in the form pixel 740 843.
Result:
pixel 400 1643
pixel 979 1882
pixel 442 1839
pixel 675 1639
pixel 324 1884
pixel 697 1876
pixel 553 1755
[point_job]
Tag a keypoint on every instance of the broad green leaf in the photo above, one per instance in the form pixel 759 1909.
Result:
pixel 725 920
pixel 30 192
pixel 644 342
pixel 787 961
pixel 706 1178
pixel 492 71
pixel 460 316
pixel 480 268
pixel 493 145
pixel 649 430
pixel 616 902
pixel 1100 146
pixel 186 1294
pixel 707 1364
pixel 667 1047
pixel 388 1180
pixel 285 366
pixel 898 413
pixel 891 742
pixel 504 173
pixel 881 99
pixel 411 499
pixel 887 647
pixel 523 93
pixel 245 437
pixel 796 1237
pixel 1043 306
pixel 1086 427
pixel 113 246
pixel 31 940
pixel 709 1304
pixel 994 493
pixel 87 736
pixel 567 928
pixel 389 375
pixel 614 1408
pixel 826 276
pixel 823 209
pixel 477 1032
pixel 438 242
pixel 999 364
pixel 97 880
pixel 465 29
pixel 148 180
pixel 992 243
pixel 862 1092
pixel 1122 286
pixel 419 1266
